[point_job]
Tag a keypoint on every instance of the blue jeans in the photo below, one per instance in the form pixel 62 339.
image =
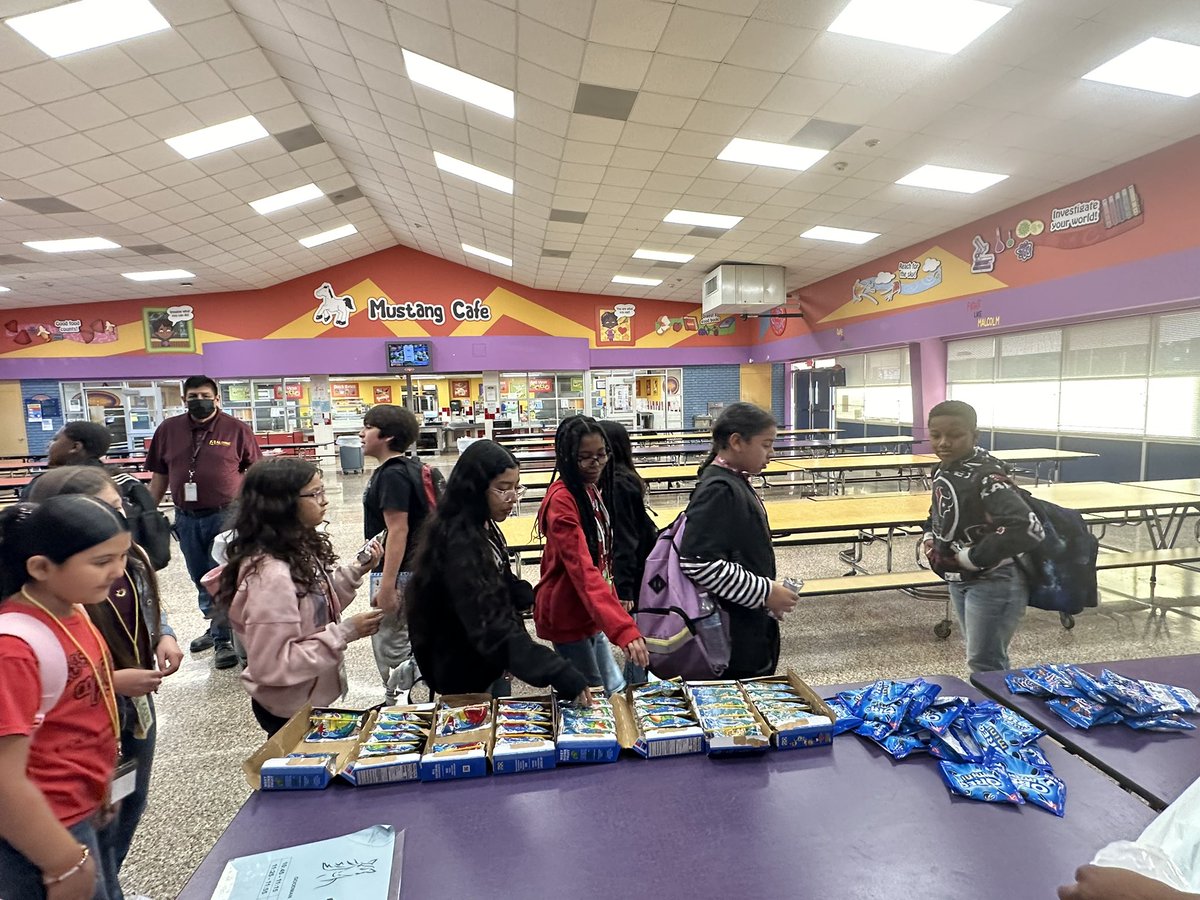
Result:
pixel 196 535
pixel 21 878
pixel 594 659
pixel 117 836
pixel 989 609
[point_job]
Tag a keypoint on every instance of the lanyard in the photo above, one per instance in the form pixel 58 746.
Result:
pixel 196 445
pixel 137 617
pixel 104 685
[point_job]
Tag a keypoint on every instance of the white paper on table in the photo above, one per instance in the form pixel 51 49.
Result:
pixel 354 866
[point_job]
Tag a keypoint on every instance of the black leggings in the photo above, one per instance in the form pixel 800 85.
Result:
pixel 270 722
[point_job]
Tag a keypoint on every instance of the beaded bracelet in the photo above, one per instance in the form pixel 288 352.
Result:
pixel 71 871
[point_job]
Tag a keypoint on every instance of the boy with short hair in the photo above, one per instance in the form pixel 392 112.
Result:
pixel 978 523
pixel 393 501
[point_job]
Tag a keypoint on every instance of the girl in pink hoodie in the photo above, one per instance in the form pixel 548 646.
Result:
pixel 285 596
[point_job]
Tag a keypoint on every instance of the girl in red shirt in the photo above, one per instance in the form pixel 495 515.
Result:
pixel 56 753
pixel 575 604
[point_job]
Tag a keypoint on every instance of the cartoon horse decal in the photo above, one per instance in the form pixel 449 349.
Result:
pixel 333 308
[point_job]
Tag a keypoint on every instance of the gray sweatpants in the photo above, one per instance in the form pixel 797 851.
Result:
pixel 391 646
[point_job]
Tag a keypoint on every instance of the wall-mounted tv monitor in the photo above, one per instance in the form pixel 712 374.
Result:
pixel 409 355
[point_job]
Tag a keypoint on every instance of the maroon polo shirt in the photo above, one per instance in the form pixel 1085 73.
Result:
pixel 223 448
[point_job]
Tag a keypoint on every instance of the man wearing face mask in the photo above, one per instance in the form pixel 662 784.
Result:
pixel 201 456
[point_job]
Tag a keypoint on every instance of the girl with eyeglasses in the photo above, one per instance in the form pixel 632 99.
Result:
pixel 143 650
pixel 285 594
pixel 465 603
pixel 577 605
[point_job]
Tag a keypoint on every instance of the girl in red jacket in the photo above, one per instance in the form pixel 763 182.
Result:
pixel 576 605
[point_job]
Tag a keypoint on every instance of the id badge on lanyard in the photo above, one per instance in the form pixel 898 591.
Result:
pixel 124 780
pixel 190 492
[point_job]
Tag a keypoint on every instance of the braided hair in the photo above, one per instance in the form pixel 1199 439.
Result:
pixel 741 418
pixel 567 438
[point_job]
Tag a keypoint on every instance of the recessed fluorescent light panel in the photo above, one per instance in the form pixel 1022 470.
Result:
pixel 633 279
pixel 1166 67
pixel 705 220
pixel 217 137
pixel 293 197
pixel 86 24
pixel 73 245
pixel 458 84
pixel 944 178
pixel 326 236
pixel 765 153
pixel 663 255
pixel 473 173
pixel 841 235
pixel 160 275
pixel 486 254
pixel 942 25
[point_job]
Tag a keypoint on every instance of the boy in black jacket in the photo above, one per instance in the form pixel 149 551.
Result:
pixel 978 523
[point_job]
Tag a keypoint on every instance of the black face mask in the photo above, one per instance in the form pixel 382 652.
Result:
pixel 201 409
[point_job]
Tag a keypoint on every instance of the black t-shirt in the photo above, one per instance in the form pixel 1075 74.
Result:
pixel 395 485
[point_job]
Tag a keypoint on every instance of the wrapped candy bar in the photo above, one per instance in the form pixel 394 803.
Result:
pixel 526 728
pixel 470 747
pixel 457 719
pixel 657 689
pixel 516 706
pixel 333 726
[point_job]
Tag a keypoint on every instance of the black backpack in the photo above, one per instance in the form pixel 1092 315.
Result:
pixel 150 529
pixel 1062 568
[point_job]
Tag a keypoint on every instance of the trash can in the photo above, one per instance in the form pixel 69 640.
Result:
pixel 350 453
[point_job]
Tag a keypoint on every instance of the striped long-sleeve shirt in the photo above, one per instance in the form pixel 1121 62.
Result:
pixel 728 581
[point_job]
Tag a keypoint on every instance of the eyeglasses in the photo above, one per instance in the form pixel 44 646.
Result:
pixel 318 494
pixel 513 494
pixel 588 461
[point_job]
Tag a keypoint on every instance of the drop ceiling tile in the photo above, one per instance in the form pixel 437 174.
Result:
pixel 661 109
pixel 139 97
pixel 161 52
pixel 699 34
pixel 71 149
pixel 34 125
pixel 678 76
pixel 485 21
pixel 546 47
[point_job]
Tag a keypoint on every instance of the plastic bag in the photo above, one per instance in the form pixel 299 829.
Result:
pixel 1168 850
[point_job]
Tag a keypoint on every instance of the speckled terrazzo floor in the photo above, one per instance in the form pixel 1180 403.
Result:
pixel 206 728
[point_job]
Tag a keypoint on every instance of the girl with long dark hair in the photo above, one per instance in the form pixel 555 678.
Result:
pixel 284 595
pixel 464 602
pixel 726 549
pixel 577 605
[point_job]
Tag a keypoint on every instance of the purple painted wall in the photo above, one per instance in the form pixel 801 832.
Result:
pixel 927 363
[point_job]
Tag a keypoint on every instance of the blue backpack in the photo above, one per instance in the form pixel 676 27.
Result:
pixel 1062 568
pixel 686 633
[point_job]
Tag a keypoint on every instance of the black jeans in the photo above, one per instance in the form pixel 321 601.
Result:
pixel 269 722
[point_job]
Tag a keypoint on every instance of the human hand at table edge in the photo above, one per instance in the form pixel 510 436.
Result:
pixel 782 599
pixel 1108 883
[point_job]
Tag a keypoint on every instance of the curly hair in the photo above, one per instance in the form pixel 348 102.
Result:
pixel 567 438
pixel 456 535
pixel 267 523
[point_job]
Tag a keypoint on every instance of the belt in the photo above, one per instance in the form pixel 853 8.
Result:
pixel 199 513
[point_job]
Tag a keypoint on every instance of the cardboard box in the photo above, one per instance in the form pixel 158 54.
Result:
pixel 271 768
pixel 458 764
pixel 532 759
pixel 589 748
pixel 384 769
pixel 730 744
pixel 668 742
pixel 814 731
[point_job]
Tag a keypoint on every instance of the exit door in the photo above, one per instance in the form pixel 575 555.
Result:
pixel 812 394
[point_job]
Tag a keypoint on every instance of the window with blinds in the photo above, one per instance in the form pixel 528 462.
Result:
pixel 1030 355
pixel 972 360
pixel 1116 348
pixel 877 387
pixel 1177 344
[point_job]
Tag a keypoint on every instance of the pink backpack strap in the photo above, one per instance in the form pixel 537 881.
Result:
pixel 52 661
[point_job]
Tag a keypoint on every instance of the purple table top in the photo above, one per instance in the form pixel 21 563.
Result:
pixel 841 821
pixel 1156 766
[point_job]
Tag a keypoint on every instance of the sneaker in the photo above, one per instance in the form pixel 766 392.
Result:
pixel 202 643
pixel 225 656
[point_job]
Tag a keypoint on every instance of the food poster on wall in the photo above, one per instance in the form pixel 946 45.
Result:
pixel 343 389
pixel 293 391
pixel 24 334
pixel 541 385
pixel 169 329
pixel 383 393
pixel 460 389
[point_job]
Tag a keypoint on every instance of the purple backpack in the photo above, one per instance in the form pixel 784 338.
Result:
pixel 686 633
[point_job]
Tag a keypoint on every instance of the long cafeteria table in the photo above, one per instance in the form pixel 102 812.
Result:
pixel 12 465
pixel 12 484
pixel 659 437
pixel 1154 765
pixel 839 821
pixel 1187 486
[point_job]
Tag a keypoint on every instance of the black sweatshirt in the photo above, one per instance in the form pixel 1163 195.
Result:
pixel 726 520
pixel 465 638
pixel 634 534
pixel 977 517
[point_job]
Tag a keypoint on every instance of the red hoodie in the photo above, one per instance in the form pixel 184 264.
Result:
pixel 573 601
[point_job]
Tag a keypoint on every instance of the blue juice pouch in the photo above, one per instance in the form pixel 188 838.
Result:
pixel 1084 714
pixel 1159 722
pixel 1021 683
pixel 1039 787
pixel 979 782
pixel 847 720
pixel 1131 695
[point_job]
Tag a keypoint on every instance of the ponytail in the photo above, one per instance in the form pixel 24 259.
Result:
pixel 741 418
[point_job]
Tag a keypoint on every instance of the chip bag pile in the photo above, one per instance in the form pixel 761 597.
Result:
pixel 984 751
pixel 1084 700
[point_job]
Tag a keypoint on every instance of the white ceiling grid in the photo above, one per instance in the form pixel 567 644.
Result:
pixel 88 129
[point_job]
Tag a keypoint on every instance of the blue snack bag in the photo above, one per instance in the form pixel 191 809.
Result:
pixel 901 745
pixel 1033 755
pixel 991 785
pixel 1053 681
pixel 957 744
pixel 941 714
pixel 1039 787
pixel 1021 683
pixel 1021 728
pixel 1130 694
pixel 1084 714
pixel 1159 722
pixel 921 695
pixel 1172 698
pixel 876 731
pixel 1091 686
pixel 847 719
pixel 855 699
